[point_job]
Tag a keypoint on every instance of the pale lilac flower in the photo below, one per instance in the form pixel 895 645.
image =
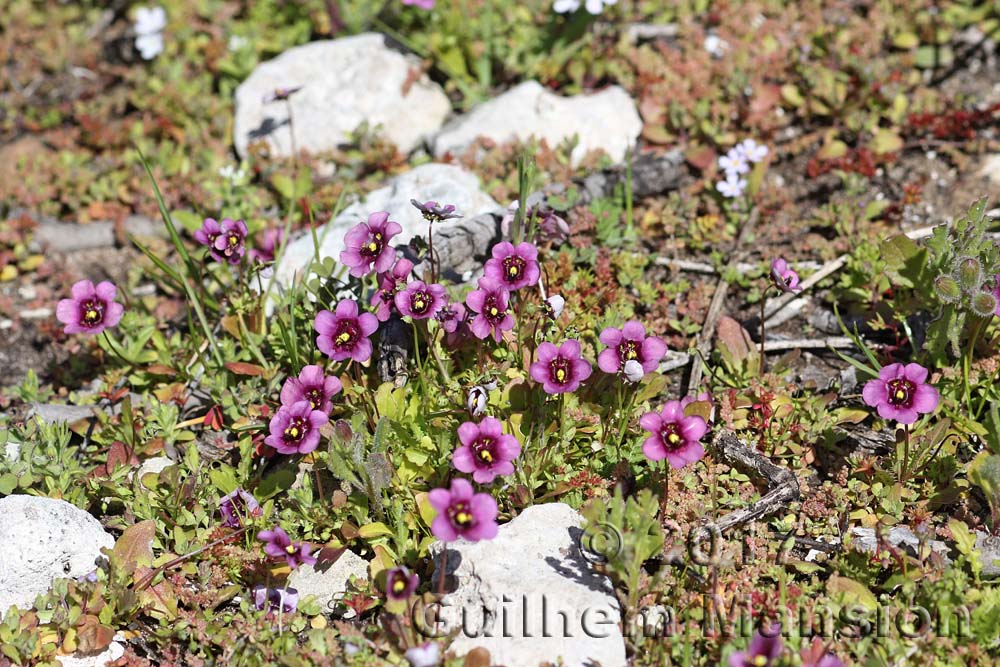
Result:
pixel 732 187
pixel 285 600
pixel 752 151
pixel 734 162
pixel 427 654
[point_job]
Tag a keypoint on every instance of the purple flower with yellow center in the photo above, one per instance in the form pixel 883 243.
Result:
pixel 313 386
pixel 433 212
pixel 400 583
pixel 630 343
pixel 486 450
pixel 367 245
pixel 783 276
pixel 514 267
pixel 295 428
pixel 237 507
pixel 343 334
pixel 91 310
pixel 268 242
pixel 389 284
pixel 277 544
pixel 490 303
pixel 762 652
pixel 226 242
pixel 673 435
pixel 285 600
pixel 421 301
pixel 462 513
pixel 560 369
pixel 901 393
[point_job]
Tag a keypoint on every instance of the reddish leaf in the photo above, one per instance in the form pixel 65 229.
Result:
pixel 92 636
pixel 243 368
pixel 135 547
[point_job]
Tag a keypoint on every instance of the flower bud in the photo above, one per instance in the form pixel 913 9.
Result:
pixel 984 304
pixel 554 306
pixel 476 403
pixel 632 370
pixel 969 272
pixel 947 289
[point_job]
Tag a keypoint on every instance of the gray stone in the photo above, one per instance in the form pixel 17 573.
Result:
pixel 530 596
pixel 44 539
pixel 443 183
pixel 59 236
pixel 607 120
pixel 58 412
pixel 900 537
pixel 989 553
pixel 102 659
pixel 345 83
pixel 328 581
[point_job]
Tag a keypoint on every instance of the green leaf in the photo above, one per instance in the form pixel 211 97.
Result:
pixel 906 40
pixel 373 530
pixel 853 592
pixel 928 57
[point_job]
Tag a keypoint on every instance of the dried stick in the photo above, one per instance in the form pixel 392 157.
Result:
pixel 828 269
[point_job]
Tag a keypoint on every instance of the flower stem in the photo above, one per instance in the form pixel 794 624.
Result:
pixel 666 490
pixel 967 360
pixel 763 359
pixel 114 348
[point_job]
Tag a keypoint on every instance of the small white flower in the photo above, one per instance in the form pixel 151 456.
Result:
pixel 752 151
pixel 734 162
pixel 149 20
pixel 732 187
pixel 632 370
pixel 565 6
pixel 237 42
pixel 595 7
pixel 149 46
pixel 425 655
pixel 715 46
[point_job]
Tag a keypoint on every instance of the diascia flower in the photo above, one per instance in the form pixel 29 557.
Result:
pixel 285 600
pixel 630 343
pixel 343 334
pixel 901 393
pixel 313 386
pixel 462 513
pixel 560 369
pixel 277 544
pixel 763 651
pixel 367 245
pixel 238 506
pixel 783 276
pixel 486 450
pixel 490 303
pixel 431 210
pixel 673 435
pixel 295 428
pixel 91 310
pixel 421 301
pixel 400 583
pixel 514 267
pixel 268 242
pixel 226 242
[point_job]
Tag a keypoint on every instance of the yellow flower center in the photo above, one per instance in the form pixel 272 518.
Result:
pixel 373 247
pixel 344 337
pixel 560 374
pixel 463 518
pixel 494 312
pixel 290 549
pixel 399 586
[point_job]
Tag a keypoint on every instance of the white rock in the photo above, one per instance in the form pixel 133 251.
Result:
pixel 991 168
pixel 155 465
pixel 607 120
pixel 44 539
pixel 345 82
pixel 443 183
pixel 989 553
pixel 530 597
pixel 328 581
pixel 105 657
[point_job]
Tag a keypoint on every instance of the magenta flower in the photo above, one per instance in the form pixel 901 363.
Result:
pixel 400 583
pixel 490 303
pixel 277 544
pixel 313 386
pixel 630 343
pixel 225 242
pixel 512 267
pixel 816 655
pixel 268 242
pixel 901 393
pixel 423 4
pixel 560 369
pixel 421 301
pixel 431 210
pixel 463 514
pixel 486 450
pixel 674 436
pixel 295 428
pixel 285 600
pixel 762 652
pixel 389 284
pixel 91 310
pixel 784 277
pixel 367 245
pixel 238 506
pixel 548 225
pixel 343 334
pixel 455 322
